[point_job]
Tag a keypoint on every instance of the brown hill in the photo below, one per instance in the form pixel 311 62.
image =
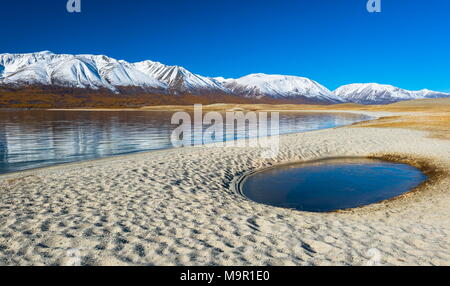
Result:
pixel 60 97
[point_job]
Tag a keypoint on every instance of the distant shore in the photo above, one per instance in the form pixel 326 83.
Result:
pixel 430 105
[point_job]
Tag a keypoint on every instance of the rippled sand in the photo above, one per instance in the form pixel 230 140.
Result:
pixel 178 207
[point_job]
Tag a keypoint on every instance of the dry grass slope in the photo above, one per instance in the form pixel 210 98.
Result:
pixel 58 97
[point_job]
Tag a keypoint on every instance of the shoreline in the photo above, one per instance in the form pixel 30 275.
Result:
pixel 374 115
pixel 177 207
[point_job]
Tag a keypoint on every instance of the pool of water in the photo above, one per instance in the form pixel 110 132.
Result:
pixel 331 185
pixel 32 139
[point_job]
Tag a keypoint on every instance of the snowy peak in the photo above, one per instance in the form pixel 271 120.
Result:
pixel 374 93
pixel 98 71
pixel 102 72
pixel 178 78
pixel 278 86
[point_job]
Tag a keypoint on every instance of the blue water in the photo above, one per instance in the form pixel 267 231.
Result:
pixel 32 139
pixel 331 184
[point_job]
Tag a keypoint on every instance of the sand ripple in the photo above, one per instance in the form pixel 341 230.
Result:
pixel 177 207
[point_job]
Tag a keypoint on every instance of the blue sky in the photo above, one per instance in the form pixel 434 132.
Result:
pixel 334 42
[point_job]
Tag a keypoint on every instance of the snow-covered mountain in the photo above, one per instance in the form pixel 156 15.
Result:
pixel 179 79
pixel 279 86
pixel 374 93
pixel 92 71
pixel 81 71
pixel 102 72
pixel 98 71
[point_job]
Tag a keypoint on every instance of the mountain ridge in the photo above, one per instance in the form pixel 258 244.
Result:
pixel 375 93
pixel 100 72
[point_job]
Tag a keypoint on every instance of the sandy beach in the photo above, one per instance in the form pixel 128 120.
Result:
pixel 180 207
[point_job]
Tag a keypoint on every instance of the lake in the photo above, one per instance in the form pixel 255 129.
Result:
pixel 34 139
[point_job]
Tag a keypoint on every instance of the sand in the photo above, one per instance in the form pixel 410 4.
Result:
pixel 179 207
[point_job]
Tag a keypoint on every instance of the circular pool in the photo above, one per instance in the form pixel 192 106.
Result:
pixel 330 185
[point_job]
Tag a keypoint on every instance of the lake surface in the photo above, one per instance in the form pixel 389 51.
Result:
pixel 33 139
pixel 331 184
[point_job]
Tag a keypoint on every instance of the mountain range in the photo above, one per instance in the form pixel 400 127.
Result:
pixel 99 72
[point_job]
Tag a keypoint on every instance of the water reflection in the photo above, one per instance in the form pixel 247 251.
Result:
pixel 31 139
